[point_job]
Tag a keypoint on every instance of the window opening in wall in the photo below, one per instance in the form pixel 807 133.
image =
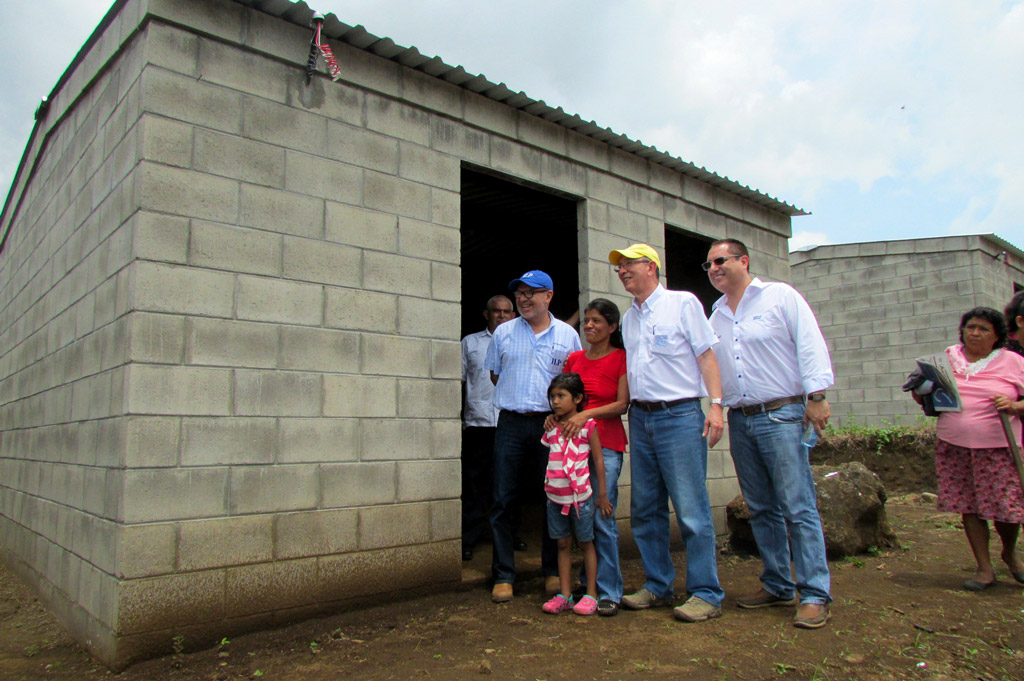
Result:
pixel 684 252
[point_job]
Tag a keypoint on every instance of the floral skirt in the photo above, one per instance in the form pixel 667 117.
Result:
pixel 981 481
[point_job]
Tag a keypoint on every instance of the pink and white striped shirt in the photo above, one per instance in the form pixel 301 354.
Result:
pixel 567 480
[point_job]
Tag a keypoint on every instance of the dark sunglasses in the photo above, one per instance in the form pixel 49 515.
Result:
pixel 720 260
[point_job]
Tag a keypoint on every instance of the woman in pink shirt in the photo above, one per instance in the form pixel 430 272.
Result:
pixel 976 474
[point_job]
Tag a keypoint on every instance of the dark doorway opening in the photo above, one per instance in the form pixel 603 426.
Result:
pixel 684 252
pixel 508 229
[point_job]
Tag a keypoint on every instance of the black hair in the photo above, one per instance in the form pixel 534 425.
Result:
pixel 736 247
pixel 571 383
pixel 993 317
pixel 1014 309
pixel 610 312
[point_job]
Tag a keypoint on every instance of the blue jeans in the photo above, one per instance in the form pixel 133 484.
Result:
pixel 578 522
pixel 606 532
pixel 518 454
pixel 669 460
pixel 775 478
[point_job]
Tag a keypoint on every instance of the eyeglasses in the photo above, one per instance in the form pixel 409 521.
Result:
pixel 720 260
pixel 624 263
pixel 527 294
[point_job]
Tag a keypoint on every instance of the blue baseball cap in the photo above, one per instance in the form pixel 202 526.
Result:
pixel 533 279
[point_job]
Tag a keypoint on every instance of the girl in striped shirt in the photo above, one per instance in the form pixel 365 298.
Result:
pixel 570 507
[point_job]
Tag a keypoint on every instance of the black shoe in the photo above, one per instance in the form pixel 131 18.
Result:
pixel 467 554
pixel 518 544
pixel 607 608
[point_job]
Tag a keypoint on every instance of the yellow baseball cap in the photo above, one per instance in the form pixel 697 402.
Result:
pixel 633 252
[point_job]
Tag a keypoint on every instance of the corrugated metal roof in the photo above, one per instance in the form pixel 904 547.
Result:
pixel 300 13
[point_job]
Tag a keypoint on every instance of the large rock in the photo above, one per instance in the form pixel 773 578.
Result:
pixel 851 501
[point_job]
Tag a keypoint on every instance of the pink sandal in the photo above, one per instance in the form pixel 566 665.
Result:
pixel 586 606
pixel 557 604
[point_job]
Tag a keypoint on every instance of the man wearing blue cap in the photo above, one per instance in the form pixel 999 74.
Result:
pixel 525 354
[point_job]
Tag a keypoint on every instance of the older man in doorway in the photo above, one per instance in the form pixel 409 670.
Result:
pixel 479 418
pixel 525 354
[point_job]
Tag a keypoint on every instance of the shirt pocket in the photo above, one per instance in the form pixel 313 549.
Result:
pixel 666 340
pixel 553 356
pixel 763 327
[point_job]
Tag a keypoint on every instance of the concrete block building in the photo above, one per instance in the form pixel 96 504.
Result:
pixel 881 304
pixel 231 304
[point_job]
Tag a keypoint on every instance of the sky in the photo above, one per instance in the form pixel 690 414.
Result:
pixel 884 120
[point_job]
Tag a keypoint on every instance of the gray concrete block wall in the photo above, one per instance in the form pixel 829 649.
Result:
pixel 236 323
pixel 63 306
pixel 882 304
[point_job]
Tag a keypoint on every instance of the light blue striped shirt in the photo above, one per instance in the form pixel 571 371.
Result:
pixel 525 363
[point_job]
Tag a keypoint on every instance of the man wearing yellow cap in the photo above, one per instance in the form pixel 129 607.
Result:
pixel 669 366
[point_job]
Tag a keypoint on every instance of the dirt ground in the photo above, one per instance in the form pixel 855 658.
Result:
pixel 898 614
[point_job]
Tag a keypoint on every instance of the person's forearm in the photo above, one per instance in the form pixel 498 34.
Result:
pixel 708 364
pixel 606 411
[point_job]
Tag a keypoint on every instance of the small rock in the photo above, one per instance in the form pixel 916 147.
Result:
pixel 855 658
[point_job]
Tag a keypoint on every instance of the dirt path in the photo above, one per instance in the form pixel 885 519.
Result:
pixel 898 615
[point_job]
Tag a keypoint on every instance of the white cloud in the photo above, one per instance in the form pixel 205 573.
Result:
pixel 804 239
pixel 868 101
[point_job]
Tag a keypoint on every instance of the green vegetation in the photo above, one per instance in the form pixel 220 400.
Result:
pixel 892 435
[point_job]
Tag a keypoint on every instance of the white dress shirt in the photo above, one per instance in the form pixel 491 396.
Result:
pixel 663 338
pixel 479 409
pixel 771 347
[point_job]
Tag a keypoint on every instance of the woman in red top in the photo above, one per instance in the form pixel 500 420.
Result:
pixel 603 369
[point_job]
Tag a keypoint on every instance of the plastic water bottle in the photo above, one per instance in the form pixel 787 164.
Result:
pixel 810 437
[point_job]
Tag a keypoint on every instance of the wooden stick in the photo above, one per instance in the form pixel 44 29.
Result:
pixel 1014 446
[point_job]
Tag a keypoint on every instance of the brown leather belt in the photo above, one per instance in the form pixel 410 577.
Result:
pixel 662 405
pixel 753 409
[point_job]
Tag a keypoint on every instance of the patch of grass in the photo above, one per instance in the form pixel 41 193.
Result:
pixel 892 435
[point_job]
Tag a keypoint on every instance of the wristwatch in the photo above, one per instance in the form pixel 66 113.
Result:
pixel 716 400
pixel 816 397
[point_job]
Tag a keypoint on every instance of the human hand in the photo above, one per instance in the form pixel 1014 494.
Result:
pixel 605 506
pixel 572 425
pixel 818 414
pixel 714 425
pixel 1003 403
pixel 550 422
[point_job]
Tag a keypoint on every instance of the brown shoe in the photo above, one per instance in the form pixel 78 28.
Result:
pixel 501 593
pixel 763 599
pixel 811 616
pixel 552 585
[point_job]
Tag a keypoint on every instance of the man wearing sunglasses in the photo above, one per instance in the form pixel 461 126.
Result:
pixel 669 367
pixel 775 369
pixel 524 355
